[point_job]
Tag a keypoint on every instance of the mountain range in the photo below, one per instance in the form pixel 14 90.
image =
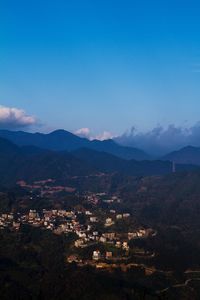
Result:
pixel 61 140
pixel 31 163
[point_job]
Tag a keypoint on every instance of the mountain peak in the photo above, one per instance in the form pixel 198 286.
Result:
pixel 186 155
pixel 60 132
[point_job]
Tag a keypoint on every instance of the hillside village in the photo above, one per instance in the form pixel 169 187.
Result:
pixel 95 228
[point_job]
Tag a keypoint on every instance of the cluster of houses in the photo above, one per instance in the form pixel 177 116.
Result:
pixel 111 221
pixel 86 230
pixel 94 237
pixel 102 197
pixel 58 221
pixel 63 221
pixel 8 220
pixel 118 240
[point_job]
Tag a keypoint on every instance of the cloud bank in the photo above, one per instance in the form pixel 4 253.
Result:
pixel 14 118
pixel 83 132
pixel 87 133
pixel 105 135
pixel 160 140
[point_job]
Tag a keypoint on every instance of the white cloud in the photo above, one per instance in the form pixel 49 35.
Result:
pixel 106 135
pixel 14 118
pixel 161 140
pixel 86 132
pixel 83 132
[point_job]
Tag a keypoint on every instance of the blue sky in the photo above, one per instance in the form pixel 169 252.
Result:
pixel 106 65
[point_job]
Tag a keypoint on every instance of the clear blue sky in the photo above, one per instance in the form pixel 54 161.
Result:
pixel 102 64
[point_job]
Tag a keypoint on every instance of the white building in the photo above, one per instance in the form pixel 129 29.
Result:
pixel 96 255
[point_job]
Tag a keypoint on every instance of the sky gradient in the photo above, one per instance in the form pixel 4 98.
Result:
pixel 104 65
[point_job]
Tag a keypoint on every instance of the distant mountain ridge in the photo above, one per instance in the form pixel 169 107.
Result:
pixel 105 162
pixel 30 163
pixel 61 140
pixel 186 155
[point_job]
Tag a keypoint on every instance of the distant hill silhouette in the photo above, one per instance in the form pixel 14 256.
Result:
pixel 109 163
pixel 31 163
pixel 186 155
pixel 61 140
